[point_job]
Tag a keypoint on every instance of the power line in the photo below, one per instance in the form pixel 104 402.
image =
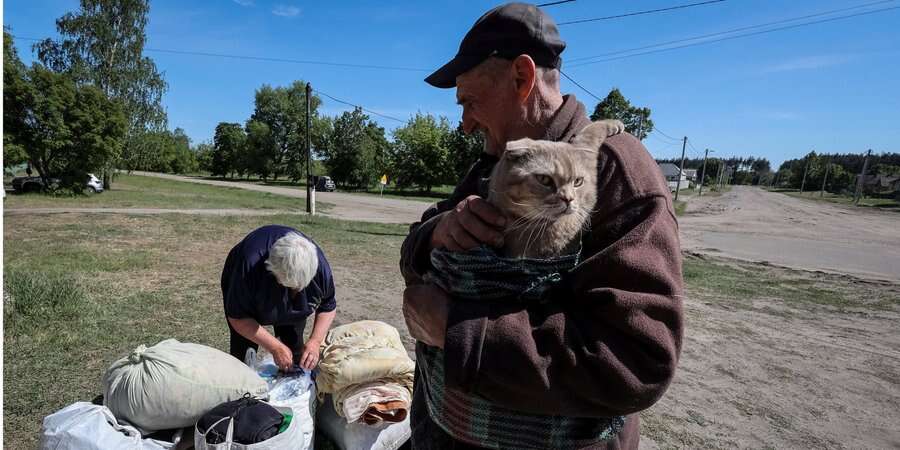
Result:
pixel 832 19
pixel 664 134
pixel 639 13
pixel 554 3
pixel 263 58
pixel 735 30
pixel 360 107
pixel 582 87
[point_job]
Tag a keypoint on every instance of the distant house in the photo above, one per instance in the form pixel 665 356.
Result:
pixel 881 183
pixel 691 174
pixel 671 172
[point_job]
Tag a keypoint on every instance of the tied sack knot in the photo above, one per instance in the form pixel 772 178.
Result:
pixel 137 355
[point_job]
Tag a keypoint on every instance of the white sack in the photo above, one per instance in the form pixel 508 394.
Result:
pixel 85 426
pixel 290 439
pixel 297 392
pixel 171 384
pixel 358 436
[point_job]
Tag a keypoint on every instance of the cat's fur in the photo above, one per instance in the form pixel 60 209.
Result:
pixel 532 183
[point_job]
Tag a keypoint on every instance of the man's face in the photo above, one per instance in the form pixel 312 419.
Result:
pixel 489 105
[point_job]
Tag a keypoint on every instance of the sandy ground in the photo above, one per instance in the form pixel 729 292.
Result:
pixel 756 225
pixel 366 208
pixel 146 211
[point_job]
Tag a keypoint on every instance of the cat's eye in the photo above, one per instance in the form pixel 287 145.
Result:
pixel 545 180
pixel 579 181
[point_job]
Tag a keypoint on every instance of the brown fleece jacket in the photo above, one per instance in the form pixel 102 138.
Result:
pixel 608 343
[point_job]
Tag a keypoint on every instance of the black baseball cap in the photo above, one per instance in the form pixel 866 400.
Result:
pixel 506 31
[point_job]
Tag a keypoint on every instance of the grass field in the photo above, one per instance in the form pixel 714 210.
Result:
pixel 134 191
pixel 82 290
pixel 881 203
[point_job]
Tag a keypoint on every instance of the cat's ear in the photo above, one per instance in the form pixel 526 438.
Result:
pixel 516 150
pixel 593 135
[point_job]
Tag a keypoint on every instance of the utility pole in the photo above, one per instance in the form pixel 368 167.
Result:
pixel 825 180
pixel 309 194
pixel 805 170
pixel 862 176
pixel 680 169
pixel 703 175
pixel 718 175
pixel 640 127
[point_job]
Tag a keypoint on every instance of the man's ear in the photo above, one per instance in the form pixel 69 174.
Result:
pixel 593 135
pixel 525 72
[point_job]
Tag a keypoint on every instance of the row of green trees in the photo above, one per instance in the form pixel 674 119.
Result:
pixel 732 170
pixel 92 102
pixel 842 170
pixel 352 148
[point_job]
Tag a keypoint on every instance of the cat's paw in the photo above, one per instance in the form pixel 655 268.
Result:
pixel 614 127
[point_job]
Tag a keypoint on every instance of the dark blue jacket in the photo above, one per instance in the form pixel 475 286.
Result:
pixel 249 290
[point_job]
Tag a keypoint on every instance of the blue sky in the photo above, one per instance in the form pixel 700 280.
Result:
pixel 832 87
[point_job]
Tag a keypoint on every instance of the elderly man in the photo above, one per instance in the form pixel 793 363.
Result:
pixel 572 371
pixel 278 276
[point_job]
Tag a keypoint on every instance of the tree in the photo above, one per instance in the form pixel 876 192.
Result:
pixel 283 111
pixel 261 149
pixel 69 130
pixel 203 154
pixel 420 155
pixel 102 45
pixel 229 144
pixel 616 106
pixel 17 94
pixel 355 152
pixel 464 150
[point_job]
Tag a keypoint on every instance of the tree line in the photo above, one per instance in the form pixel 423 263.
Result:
pixel 842 170
pixel 92 103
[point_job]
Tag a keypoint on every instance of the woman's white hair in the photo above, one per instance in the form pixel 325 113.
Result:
pixel 293 260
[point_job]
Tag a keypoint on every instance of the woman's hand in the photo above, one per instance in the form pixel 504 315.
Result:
pixel 310 358
pixel 283 356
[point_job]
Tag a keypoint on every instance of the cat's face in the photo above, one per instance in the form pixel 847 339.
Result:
pixel 550 179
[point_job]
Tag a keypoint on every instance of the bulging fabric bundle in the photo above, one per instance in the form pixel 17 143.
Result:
pixel 366 362
pixel 171 384
pixel 482 274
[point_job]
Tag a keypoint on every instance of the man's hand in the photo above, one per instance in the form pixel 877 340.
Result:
pixel 472 222
pixel 310 358
pixel 425 310
pixel 283 356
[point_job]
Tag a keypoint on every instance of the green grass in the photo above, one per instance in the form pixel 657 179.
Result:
pixel 881 203
pixel 134 191
pixel 82 290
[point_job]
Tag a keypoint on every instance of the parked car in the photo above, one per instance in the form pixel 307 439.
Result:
pixel 324 183
pixel 35 184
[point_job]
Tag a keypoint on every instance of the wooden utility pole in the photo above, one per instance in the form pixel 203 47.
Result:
pixel 805 170
pixel 309 187
pixel 718 175
pixel 640 127
pixel 825 180
pixel 862 177
pixel 680 168
pixel 703 175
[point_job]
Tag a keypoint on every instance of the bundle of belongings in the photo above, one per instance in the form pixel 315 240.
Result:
pixel 186 388
pixel 367 372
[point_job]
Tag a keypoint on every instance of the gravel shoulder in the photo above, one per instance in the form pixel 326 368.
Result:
pixel 752 224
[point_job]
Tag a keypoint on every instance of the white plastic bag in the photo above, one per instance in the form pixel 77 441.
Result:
pixel 298 392
pixel 357 436
pixel 290 439
pixel 171 384
pixel 86 426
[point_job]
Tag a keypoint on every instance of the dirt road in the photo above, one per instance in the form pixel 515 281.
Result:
pixel 367 208
pixel 756 225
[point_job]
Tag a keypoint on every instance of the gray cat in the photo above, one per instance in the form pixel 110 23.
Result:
pixel 547 190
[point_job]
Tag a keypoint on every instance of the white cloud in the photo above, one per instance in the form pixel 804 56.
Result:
pixel 244 2
pixel 286 11
pixel 809 63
